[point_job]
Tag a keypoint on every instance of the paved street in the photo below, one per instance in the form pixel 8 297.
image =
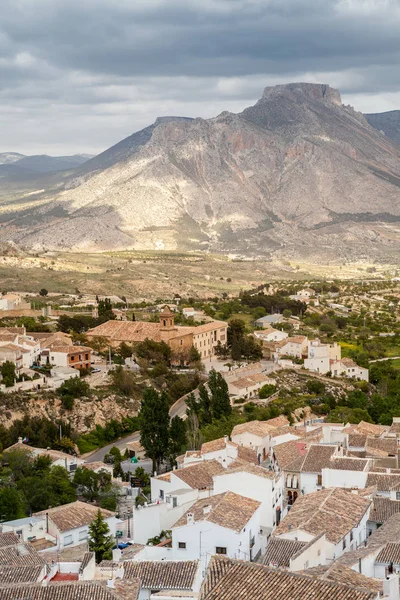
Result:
pixel 177 409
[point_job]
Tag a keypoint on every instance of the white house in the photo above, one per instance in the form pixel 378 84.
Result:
pixel 295 346
pixel 271 335
pixel 257 483
pixel 227 524
pixel 268 320
pixel 346 367
pixel 59 459
pixel 68 524
pixel 257 435
pixel 346 472
pixel 173 578
pixel 317 458
pixel 341 515
pixel 320 356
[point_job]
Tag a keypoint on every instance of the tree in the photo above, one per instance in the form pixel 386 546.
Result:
pixel 43 292
pixel 177 438
pixel 194 355
pixel 124 350
pixel 7 371
pixel 220 402
pixel 105 311
pixel 11 504
pixel 87 483
pixel 154 425
pixel 71 389
pixel 100 540
pixel 236 351
pixel 266 390
pixel 287 313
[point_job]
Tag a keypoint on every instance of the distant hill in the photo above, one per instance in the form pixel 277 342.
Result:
pixel 7 158
pixel 388 122
pixel 42 163
pixel 297 175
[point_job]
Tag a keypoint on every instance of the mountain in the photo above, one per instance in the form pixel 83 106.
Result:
pixel 41 163
pixel 387 122
pixel 7 158
pixel 296 175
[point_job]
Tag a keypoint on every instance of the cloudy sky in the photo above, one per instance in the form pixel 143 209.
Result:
pixel 79 75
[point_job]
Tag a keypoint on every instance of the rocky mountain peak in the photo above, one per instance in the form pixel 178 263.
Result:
pixel 307 91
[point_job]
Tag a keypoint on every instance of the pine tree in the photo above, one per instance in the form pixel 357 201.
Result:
pixel 177 441
pixel 236 350
pixel 154 425
pixel 100 542
pixel 205 405
pixel 220 402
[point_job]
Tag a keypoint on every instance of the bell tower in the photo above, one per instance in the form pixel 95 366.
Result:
pixel 167 321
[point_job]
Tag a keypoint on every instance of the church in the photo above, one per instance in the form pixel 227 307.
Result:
pixel 180 338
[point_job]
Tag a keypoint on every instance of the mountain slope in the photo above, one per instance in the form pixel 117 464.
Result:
pixel 298 174
pixel 388 122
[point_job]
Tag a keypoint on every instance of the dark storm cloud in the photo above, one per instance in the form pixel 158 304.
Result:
pixel 123 62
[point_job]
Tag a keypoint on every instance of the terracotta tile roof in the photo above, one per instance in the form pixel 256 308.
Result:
pixel 389 554
pixel 260 428
pixel 20 555
pixel 317 458
pixel 69 590
pixel 388 445
pixel 247 454
pixel 383 482
pixel 28 574
pixel 214 445
pixel 127 589
pixel 280 551
pixel 339 573
pixel 395 428
pixel 200 475
pixel 383 508
pixel 372 428
pixel 249 581
pixel 250 468
pixel 163 575
pixel 289 452
pixel 357 440
pixel 73 515
pixel 209 327
pixel 8 538
pixel 64 349
pixel 97 465
pixel 227 510
pixel 331 511
pixel 127 331
pixel 349 464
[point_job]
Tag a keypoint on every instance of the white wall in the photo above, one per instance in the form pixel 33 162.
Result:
pixel 319 365
pixel 308 482
pixel 203 537
pixel 77 536
pixel 257 488
pixel 338 478
pixel 313 556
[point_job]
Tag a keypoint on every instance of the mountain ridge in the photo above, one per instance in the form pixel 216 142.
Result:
pixel 296 172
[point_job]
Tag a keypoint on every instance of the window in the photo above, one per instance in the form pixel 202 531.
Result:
pixel 182 545
pixel 289 481
pixel 351 535
pixel 397 495
pixel 162 494
pixel 319 479
pixel 294 484
pixel 174 501
pixel 83 535
pixel 68 540
pixel 72 358
pixel 220 550
pixel 344 543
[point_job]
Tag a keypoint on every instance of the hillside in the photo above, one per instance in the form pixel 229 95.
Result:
pixel 298 174
pixel 388 122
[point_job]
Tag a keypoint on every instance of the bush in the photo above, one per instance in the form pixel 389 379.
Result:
pixel 266 391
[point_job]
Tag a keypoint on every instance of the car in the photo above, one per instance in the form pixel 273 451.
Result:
pixel 123 545
pixel 96 370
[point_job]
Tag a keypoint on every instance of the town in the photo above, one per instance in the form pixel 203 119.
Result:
pixel 202 448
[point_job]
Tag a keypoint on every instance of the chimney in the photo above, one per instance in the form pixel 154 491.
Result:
pixel 190 518
pixel 207 510
pixel 391 587
pixel 226 439
pixel 20 440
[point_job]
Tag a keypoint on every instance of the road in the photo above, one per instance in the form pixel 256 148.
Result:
pixel 383 359
pixel 178 409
